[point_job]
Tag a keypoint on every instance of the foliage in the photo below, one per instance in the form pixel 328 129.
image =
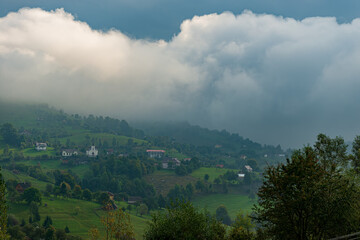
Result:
pixel 356 154
pixel 308 197
pixel 94 234
pixel 32 195
pixel 10 135
pixel 184 221
pixel 331 152
pixel 34 212
pixel 47 222
pixel 3 210
pixel 222 215
pixel 143 209
pixel 243 221
pixel 117 225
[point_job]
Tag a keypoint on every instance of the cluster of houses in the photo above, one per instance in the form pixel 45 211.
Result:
pixel 167 162
pixel 92 152
pixel 248 169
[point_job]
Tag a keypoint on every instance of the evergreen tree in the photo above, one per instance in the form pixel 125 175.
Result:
pixel 47 222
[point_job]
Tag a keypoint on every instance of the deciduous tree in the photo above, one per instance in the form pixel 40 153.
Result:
pixel 308 198
pixel 184 221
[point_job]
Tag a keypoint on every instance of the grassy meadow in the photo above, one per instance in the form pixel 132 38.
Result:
pixel 164 180
pixel 212 172
pixel 78 215
pixel 24 178
pixel 233 203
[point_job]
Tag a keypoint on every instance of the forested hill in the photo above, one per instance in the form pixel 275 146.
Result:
pixel 56 123
pixel 185 133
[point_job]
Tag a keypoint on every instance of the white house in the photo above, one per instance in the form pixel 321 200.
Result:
pixel 41 146
pixel 69 152
pixel 93 152
pixel 241 175
pixel 155 153
pixel 170 163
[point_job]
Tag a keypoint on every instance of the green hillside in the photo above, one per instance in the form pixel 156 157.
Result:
pixel 78 215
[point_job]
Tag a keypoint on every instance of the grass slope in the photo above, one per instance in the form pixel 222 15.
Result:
pixel 63 213
pixel 233 202
pixel 48 165
pixel 164 180
pixel 24 178
pixel 212 172
pixel 31 152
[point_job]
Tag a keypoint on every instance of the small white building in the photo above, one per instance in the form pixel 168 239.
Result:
pixel 69 152
pixel 41 146
pixel 93 152
pixel 241 175
pixel 248 168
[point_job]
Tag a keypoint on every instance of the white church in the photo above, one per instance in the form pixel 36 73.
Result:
pixel 92 152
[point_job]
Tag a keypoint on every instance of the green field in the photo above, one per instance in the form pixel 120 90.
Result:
pixel 32 152
pixel 233 202
pixel 24 178
pixel 63 213
pixel 48 165
pixel 212 172
pixel 164 180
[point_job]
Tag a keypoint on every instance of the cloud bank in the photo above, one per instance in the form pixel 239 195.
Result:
pixel 272 79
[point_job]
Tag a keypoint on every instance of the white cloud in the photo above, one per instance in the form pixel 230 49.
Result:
pixel 273 79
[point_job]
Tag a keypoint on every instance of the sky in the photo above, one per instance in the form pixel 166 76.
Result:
pixel 277 72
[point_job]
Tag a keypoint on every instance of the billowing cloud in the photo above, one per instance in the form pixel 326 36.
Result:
pixel 273 79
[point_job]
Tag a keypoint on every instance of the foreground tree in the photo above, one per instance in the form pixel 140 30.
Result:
pixel 184 221
pixel 308 198
pixel 3 210
pixel 117 226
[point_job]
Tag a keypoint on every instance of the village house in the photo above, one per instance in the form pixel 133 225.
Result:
pixel 170 163
pixel 248 168
pixel 41 146
pixel 21 187
pixel 92 152
pixel 155 153
pixel 69 152
pixel 134 200
pixel 241 175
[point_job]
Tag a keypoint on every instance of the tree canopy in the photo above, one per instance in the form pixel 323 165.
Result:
pixel 3 210
pixel 308 197
pixel 184 221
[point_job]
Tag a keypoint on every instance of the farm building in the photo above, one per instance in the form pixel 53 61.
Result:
pixel 155 153
pixel 69 152
pixel 21 187
pixel 170 163
pixel 41 146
